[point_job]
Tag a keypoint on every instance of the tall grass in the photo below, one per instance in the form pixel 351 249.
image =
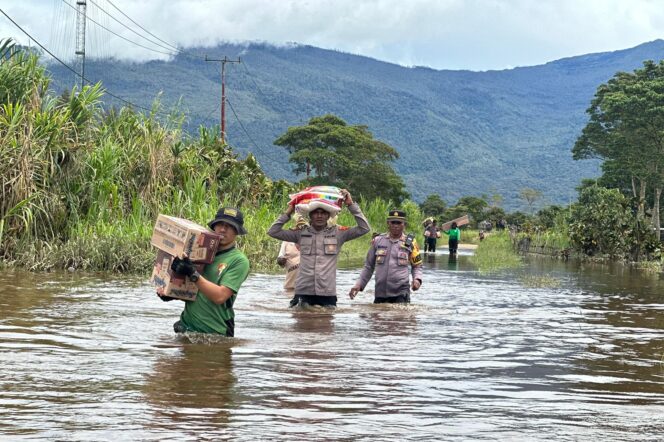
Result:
pixel 552 238
pixel 496 253
pixel 469 236
pixel 81 187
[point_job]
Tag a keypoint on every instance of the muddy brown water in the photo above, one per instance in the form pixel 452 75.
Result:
pixel 475 357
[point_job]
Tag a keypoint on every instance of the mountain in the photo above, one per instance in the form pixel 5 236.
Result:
pixel 458 132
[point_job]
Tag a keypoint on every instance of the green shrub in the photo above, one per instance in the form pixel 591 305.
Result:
pixel 603 224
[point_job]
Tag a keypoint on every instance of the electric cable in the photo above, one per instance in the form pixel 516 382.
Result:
pixel 134 22
pixel 216 108
pixel 252 78
pixel 247 133
pixel 174 48
pixel 72 69
pixel 118 35
pixel 127 27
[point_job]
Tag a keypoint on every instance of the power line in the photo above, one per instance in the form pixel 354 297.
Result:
pixel 118 35
pixel 171 48
pixel 247 133
pixel 70 68
pixel 127 101
pixel 99 41
pixel 210 113
pixel 252 78
pixel 134 22
pixel 130 29
pixel 189 54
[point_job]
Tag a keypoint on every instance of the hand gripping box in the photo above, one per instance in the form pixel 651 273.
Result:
pixel 169 283
pixel 178 237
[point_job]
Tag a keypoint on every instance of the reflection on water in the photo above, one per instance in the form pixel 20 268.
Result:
pixel 452 262
pixel 390 320
pixel 195 377
pixel 313 319
pixel 473 357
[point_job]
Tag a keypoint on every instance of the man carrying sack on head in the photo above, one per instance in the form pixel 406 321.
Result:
pixel 320 244
pixel 395 257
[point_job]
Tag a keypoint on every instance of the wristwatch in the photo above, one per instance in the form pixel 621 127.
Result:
pixel 194 276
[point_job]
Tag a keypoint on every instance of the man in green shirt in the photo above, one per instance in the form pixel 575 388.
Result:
pixel 454 234
pixel 212 310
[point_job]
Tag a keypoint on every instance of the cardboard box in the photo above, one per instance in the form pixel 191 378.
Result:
pixel 169 283
pixel 179 237
pixel 462 221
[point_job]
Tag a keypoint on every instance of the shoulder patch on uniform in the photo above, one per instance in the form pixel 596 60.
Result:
pixel 343 227
pixel 376 237
pixel 221 267
pixel 415 257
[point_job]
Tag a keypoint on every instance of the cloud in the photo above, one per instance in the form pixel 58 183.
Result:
pixel 452 34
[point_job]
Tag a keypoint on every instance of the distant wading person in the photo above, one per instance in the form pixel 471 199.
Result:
pixel 430 236
pixel 454 234
pixel 316 282
pixel 394 256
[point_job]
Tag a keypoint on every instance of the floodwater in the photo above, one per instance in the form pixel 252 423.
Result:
pixel 550 351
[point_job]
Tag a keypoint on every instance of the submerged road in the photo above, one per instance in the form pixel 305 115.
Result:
pixel 550 351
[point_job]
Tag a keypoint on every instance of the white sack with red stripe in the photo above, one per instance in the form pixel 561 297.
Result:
pixel 328 198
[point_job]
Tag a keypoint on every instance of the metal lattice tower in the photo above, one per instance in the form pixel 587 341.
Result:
pixel 81 6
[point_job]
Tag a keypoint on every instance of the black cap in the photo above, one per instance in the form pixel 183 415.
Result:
pixel 232 216
pixel 397 215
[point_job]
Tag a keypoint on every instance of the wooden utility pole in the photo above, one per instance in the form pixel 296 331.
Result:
pixel 223 62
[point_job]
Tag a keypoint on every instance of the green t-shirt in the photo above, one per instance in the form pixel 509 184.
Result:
pixel 230 268
pixel 454 233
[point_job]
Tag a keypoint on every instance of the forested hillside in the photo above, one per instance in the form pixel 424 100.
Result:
pixel 458 132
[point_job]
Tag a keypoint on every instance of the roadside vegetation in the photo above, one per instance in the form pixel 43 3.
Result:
pixel 496 253
pixel 617 215
pixel 81 185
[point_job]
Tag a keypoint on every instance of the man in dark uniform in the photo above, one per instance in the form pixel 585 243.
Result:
pixel 395 257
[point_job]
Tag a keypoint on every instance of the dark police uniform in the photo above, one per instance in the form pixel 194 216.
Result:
pixel 394 261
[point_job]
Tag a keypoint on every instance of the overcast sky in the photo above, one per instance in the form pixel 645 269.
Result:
pixel 443 34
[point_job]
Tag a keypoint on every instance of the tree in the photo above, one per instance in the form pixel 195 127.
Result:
pixel 433 205
pixel 343 155
pixel 495 214
pixel 602 222
pixel 530 196
pixel 496 200
pixel 547 216
pixel 626 127
pixel 517 218
pixel 474 207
